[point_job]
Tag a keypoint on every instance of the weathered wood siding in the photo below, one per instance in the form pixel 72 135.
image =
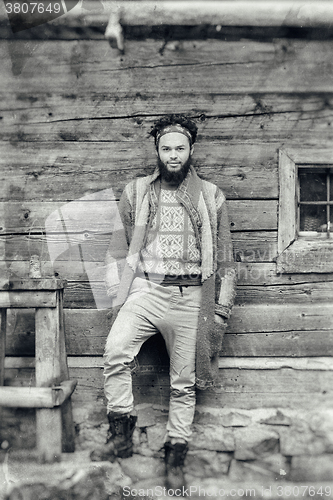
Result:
pixel 74 121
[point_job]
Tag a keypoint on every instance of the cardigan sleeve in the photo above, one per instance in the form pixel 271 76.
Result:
pixel 226 279
pixel 118 246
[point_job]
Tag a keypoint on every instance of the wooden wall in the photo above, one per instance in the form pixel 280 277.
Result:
pixel 74 121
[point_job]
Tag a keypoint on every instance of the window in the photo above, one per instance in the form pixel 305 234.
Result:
pixel 305 230
pixel 315 200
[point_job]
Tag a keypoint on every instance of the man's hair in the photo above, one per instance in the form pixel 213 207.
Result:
pixel 174 119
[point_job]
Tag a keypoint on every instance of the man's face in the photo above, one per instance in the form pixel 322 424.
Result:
pixel 174 153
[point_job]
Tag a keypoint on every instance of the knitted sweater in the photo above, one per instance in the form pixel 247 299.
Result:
pixel 206 206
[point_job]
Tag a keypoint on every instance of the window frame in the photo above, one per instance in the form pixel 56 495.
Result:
pixel 299 254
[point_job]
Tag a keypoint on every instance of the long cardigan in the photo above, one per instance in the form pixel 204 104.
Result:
pixel 206 206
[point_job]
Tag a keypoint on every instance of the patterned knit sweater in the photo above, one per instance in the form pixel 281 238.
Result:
pixel 171 246
pixel 206 206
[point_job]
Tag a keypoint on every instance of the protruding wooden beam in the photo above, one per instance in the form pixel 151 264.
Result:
pixel 217 13
pixel 263 13
pixel 226 13
pixel 36 397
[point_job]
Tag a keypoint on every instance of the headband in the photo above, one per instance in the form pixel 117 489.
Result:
pixel 174 128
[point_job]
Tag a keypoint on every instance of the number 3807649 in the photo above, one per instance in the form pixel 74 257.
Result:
pixel 32 8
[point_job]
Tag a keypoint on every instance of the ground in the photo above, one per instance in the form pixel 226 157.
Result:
pixel 272 453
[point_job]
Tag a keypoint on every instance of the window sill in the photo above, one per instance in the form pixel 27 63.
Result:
pixel 307 256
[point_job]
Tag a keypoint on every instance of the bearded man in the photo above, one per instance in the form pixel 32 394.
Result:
pixel 178 279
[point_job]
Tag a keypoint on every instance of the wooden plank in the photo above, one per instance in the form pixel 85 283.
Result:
pixel 14 299
pixel 260 273
pixel 305 256
pixel 255 246
pixel 55 217
pixel 3 328
pixel 309 156
pixel 303 293
pixel 281 317
pixel 303 327
pixel 265 344
pixel 244 319
pixel 293 343
pixel 88 295
pixel 291 381
pixel 256 330
pixel 240 389
pixel 246 172
pixel 321 363
pixel 50 174
pixel 216 113
pixel 254 401
pixel 70 55
pixel 88 249
pixel 299 65
pixel 281 388
pixel 318 363
pixel 86 337
pixel 100 217
pixel 124 118
pixel 249 247
pixel 92 295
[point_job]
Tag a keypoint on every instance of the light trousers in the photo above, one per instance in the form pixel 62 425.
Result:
pixel 173 311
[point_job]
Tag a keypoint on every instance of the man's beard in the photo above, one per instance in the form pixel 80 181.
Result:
pixel 174 177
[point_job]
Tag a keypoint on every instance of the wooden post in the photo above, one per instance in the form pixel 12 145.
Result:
pixel 3 321
pixel 48 373
pixel 3 324
pixel 68 445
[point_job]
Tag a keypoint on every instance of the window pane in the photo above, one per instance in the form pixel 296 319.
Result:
pixel 312 185
pixel 313 218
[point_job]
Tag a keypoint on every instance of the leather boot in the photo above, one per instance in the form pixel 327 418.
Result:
pixel 174 461
pixel 119 442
